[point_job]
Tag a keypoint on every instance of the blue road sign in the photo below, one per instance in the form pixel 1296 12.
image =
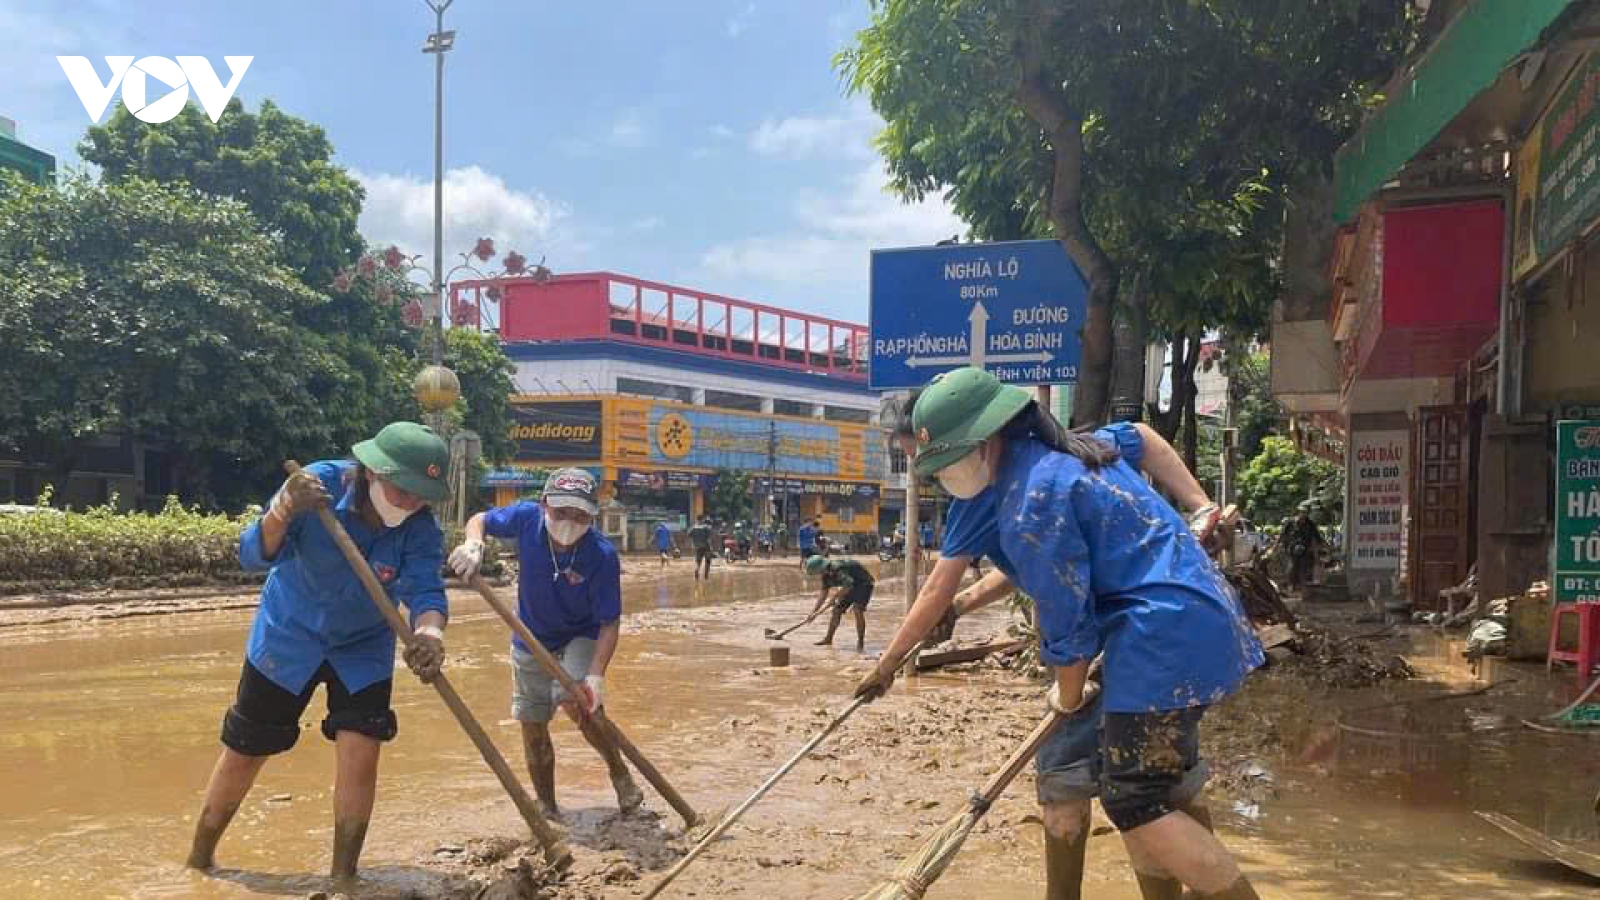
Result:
pixel 1014 308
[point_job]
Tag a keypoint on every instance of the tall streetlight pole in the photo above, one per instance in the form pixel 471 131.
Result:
pixel 439 43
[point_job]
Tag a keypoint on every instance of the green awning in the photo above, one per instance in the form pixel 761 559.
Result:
pixel 1475 48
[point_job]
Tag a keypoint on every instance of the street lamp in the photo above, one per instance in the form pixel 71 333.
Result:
pixel 439 43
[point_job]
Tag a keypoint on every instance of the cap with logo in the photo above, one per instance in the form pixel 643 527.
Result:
pixel 572 488
pixel 959 410
pixel 410 456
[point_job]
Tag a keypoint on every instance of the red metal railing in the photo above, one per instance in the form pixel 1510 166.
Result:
pixel 608 306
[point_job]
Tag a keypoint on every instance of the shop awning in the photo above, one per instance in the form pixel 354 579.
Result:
pixel 1474 49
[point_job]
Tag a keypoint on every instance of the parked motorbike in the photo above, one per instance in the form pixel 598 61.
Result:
pixel 735 550
pixel 890 549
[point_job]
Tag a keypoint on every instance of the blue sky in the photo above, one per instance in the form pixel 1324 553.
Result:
pixel 705 143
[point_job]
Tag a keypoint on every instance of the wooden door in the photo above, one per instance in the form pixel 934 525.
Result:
pixel 1440 479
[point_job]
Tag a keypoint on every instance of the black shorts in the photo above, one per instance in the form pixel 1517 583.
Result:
pixel 702 554
pixel 265 719
pixel 1147 763
pixel 807 552
pixel 858 596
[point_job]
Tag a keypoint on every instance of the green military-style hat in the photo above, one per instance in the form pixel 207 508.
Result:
pixel 410 456
pixel 814 564
pixel 959 410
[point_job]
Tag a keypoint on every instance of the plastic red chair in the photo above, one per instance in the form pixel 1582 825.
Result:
pixel 1587 654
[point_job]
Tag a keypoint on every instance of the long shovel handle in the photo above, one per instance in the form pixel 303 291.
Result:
pixel 738 811
pixel 608 729
pixel 1019 759
pixel 555 852
pixel 803 623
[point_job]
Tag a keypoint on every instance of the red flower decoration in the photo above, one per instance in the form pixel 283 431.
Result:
pixel 463 312
pixel 485 249
pixel 367 266
pixel 515 263
pixel 393 258
pixel 341 282
pixel 384 294
pixel 412 314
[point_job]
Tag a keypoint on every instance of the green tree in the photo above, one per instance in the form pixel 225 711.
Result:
pixel 730 497
pixel 487 383
pixel 278 165
pixel 1280 478
pixel 1155 139
pixel 161 314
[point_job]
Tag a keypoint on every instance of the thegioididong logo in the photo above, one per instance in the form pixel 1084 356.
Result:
pixel 174 78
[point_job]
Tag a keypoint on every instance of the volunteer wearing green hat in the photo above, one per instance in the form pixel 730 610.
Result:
pixel 1110 566
pixel 316 625
pixel 851 585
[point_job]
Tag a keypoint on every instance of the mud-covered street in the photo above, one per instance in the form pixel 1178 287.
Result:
pixel 112 727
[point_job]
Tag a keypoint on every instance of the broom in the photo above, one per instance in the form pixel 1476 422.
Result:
pixel 922 868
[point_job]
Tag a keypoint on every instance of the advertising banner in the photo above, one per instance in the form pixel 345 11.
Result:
pixel 664 480
pixel 1558 171
pixel 1577 512
pixel 557 430
pixel 855 489
pixel 1377 498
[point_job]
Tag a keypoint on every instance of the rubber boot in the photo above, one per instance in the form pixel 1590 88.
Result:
pixel 1241 890
pixel 1063 864
pixel 541 755
pixel 348 839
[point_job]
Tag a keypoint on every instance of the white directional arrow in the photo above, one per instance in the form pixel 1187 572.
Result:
pixel 926 362
pixel 980 334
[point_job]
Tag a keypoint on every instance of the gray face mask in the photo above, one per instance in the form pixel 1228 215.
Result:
pixel 566 533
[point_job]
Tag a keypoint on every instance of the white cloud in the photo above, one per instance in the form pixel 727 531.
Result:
pixel 721 131
pixel 648 223
pixel 741 20
pixel 399 211
pixel 629 129
pixel 808 137
pixel 835 235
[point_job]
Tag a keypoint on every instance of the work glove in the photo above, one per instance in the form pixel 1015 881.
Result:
pixel 301 492
pixel 466 558
pixel 1203 522
pixel 1091 690
pixel 876 683
pixel 593 687
pixel 425 654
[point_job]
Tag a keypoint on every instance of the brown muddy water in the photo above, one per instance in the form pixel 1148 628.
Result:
pixel 110 729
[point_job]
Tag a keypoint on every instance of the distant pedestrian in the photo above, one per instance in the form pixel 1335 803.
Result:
pixel 1303 540
pixel 664 542
pixel 700 536
pixel 851 585
pixel 808 541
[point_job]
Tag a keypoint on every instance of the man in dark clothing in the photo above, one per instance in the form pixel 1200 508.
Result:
pixel 1304 542
pixel 700 536
pixel 851 585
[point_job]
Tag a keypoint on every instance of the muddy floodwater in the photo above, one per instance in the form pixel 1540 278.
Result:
pixel 110 729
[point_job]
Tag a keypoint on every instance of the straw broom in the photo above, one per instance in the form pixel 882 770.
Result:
pixel 922 868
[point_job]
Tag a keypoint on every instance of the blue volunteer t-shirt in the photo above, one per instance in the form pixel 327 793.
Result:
pixel 1109 563
pixel 663 537
pixel 314 608
pixel 560 596
pixel 808 537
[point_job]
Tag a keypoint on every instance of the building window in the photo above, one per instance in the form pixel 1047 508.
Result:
pixel 654 389
pixel 846 414
pixel 793 408
pixel 730 400
pixel 897 460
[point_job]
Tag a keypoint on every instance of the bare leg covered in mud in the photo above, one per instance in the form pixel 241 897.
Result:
pixel 541 756
pixel 834 618
pixel 1177 846
pixel 231 780
pixel 1066 841
pixel 355 787
pixel 629 797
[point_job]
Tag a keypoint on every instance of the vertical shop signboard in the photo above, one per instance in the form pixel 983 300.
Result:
pixel 1377 498
pixel 1577 512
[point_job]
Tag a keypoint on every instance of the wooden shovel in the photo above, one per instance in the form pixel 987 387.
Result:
pixel 608 729
pixel 555 852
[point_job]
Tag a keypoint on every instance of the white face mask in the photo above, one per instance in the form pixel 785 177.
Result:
pixel 565 532
pixel 967 477
pixel 391 515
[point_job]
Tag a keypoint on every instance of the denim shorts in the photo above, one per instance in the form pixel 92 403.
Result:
pixel 534 694
pixel 1071 769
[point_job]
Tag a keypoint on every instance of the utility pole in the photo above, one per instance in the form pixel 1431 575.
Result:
pixel 439 43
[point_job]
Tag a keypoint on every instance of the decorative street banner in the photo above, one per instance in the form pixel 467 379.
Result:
pixel 1377 498
pixel 716 440
pixel 1577 512
pixel 1014 308
pixel 557 430
pixel 1560 156
pixel 664 480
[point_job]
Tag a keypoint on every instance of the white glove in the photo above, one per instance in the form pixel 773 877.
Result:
pixel 466 558
pixel 1091 689
pixel 1203 521
pixel 596 685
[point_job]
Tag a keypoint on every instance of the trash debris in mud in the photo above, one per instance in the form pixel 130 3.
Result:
pixel 1341 662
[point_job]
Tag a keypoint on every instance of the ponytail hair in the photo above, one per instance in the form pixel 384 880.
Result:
pixel 1036 421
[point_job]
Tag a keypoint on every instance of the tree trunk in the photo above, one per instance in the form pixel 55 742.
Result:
pixel 1131 337
pixel 1191 429
pixel 1063 126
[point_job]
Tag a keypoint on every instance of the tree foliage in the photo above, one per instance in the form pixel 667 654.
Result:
pixel 1280 478
pixel 730 497
pixel 1158 139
